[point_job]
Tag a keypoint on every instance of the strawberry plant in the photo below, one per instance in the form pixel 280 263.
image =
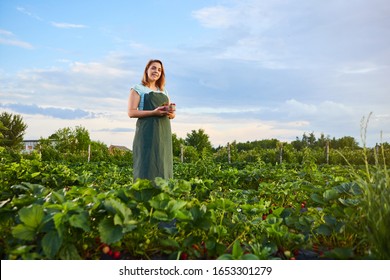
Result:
pixel 211 210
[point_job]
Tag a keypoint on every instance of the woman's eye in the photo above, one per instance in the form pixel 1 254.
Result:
pixel 154 68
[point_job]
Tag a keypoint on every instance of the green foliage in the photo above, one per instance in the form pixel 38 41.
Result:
pixel 12 130
pixel 199 140
pixel 256 145
pixel 2 128
pixel 375 206
pixel 176 145
pixel 68 140
pixel 57 205
pixel 210 211
pixel 68 143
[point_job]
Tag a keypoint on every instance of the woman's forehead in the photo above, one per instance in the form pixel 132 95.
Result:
pixel 155 64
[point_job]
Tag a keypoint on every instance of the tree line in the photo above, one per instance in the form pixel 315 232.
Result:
pixel 75 144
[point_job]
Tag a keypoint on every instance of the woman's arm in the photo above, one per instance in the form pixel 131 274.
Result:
pixel 132 108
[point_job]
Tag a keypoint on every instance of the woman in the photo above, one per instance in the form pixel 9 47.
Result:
pixel 152 145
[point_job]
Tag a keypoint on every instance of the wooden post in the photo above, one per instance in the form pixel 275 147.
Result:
pixel 376 152
pixel 182 153
pixel 89 152
pixel 229 155
pixel 281 153
pixel 327 152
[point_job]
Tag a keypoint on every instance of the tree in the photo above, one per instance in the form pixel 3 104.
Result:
pixel 257 144
pixel 199 140
pixel 321 142
pixel 311 140
pixel 2 127
pixel 70 140
pixel 298 144
pixel 12 130
pixel 66 143
pixel 345 142
pixel 99 151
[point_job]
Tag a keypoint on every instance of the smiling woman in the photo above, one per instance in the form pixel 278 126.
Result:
pixel 152 145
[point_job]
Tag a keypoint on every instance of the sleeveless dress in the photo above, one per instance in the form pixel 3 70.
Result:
pixel 152 145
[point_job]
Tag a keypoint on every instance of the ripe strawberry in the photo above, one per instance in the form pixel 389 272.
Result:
pixel 264 216
pixel 172 107
pixel 106 249
pixel 204 247
pixel 116 255
pixel 184 256
pixel 196 247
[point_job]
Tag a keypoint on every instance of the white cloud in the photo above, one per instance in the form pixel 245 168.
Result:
pixel 6 32
pixel 256 49
pixel 75 83
pixel 218 110
pixel 216 17
pixel 360 68
pixel 25 11
pixel 16 43
pixel 67 25
pixel 99 69
pixel 298 34
pixel 248 15
pixel 294 107
pixel 105 129
pixel 8 38
pixel 241 129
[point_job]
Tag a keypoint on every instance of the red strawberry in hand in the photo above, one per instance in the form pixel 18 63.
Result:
pixel 172 107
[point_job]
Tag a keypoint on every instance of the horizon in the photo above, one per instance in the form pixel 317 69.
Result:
pixel 329 137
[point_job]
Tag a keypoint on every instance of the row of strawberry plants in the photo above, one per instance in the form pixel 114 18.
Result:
pixel 258 211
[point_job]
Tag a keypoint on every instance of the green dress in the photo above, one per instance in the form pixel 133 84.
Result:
pixel 152 145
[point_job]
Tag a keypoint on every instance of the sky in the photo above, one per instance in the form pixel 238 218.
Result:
pixel 241 70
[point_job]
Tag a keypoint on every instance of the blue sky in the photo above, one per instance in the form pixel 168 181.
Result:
pixel 239 69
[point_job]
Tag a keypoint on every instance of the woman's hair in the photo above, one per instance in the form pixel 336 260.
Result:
pixel 160 83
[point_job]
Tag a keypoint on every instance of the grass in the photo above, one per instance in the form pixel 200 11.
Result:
pixel 375 203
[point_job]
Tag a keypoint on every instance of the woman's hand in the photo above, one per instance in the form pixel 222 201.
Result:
pixel 161 111
pixel 171 110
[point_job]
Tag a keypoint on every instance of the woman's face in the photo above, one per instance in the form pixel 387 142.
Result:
pixel 154 72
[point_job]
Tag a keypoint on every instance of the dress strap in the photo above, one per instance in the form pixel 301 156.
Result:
pixel 142 90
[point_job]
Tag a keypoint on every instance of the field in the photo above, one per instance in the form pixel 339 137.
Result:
pixel 210 210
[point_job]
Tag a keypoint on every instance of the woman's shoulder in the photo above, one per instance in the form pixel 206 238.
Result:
pixel 140 89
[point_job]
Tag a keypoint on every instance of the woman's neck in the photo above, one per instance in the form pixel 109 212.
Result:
pixel 152 86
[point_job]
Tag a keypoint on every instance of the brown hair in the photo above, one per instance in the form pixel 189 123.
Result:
pixel 160 83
